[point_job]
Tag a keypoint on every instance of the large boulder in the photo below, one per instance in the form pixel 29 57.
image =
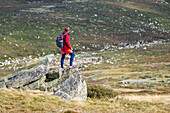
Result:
pixel 71 86
pixel 38 74
pixel 30 73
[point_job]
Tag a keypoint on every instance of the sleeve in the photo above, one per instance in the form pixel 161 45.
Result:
pixel 68 42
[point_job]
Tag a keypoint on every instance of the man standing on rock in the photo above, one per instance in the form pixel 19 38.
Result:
pixel 67 49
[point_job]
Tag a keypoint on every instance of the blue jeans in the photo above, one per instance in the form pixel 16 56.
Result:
pixel 71 59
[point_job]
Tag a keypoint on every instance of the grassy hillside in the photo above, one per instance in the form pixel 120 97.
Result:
pixel 142 68
pixel 129 64
pixel 35 101
pixel 140 76
pixel 95 23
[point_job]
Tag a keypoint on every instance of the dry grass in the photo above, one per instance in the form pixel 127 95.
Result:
pixel 14 101
pixel 106 70
pixel 133 5
pixel 124 90
pixel 148 98
pixel 106 73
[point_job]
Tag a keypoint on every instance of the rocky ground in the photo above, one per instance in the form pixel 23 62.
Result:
pixel 139 75
pixel 144 66
pixel 121 45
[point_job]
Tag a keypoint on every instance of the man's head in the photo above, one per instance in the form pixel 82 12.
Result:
pixel 67 29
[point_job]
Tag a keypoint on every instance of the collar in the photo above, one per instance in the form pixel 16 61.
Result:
pixel 65 32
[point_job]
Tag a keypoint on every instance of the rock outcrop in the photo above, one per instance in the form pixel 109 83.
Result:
pixel 71 86
pixel 37 74
pixel 32 72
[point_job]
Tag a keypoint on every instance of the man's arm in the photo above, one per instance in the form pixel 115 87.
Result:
pixel 67 41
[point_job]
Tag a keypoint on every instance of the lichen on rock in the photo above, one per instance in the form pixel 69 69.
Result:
pixel 25 76
pixel 38 74
pixel 71 86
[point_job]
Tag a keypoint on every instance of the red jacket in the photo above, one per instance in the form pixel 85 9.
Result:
pixel 67 45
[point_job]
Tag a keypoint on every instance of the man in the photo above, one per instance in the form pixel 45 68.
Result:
pixel 67 49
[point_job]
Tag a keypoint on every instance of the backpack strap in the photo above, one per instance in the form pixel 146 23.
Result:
pixel 65 34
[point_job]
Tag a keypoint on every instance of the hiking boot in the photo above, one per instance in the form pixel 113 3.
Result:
pixel 62 69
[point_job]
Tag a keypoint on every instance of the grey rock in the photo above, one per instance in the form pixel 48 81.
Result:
pixel 34 85
pixel 52 77
pixel 25 77
pixel 28 74
pixel 2 85
pixel 37 74
pixel 71 86
pixel 63 95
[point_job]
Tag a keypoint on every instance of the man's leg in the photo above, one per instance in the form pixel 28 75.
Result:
pixel 62 60
pixel 72 58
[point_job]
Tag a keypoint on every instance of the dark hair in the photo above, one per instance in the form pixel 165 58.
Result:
pixel 67 29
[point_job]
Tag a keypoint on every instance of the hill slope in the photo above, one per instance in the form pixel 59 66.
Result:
pixel 29 29
pixel 35 101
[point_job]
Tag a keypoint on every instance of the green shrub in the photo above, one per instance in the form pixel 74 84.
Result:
pixel 99 91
